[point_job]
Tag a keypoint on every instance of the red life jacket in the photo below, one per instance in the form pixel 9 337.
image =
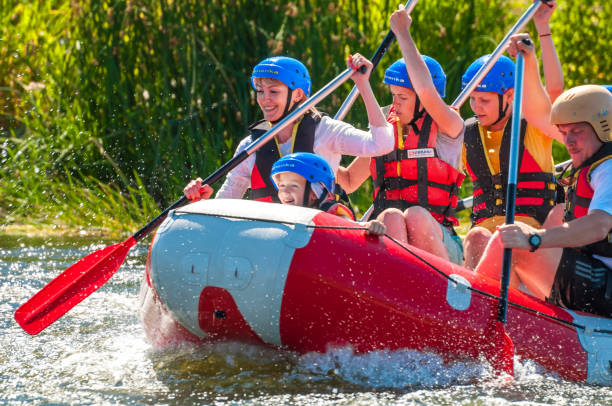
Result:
pixel 580 193
pixel 413 174
pixel 262 188
pixel 536 189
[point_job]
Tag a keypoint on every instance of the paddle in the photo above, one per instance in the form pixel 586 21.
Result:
pixel 350 99
pixel 499 50
pixel 87 275
pixel 484 69
pixel 380 52
pixel 503 351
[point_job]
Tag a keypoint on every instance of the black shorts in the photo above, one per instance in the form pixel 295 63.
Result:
pixel 582 283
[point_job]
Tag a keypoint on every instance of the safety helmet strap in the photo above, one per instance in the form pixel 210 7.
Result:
pixel 501 112
pixel 417 114
pixel 321 198
pixel 288 107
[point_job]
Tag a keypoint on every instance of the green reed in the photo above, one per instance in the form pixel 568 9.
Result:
pixel 145 95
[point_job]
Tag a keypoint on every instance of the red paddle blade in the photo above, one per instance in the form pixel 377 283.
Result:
pixel 71 286
pixel 500 351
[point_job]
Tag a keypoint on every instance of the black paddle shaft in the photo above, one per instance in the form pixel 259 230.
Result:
pixel 382 49
pixel 211 179
pixel 236 160
pixel 502 308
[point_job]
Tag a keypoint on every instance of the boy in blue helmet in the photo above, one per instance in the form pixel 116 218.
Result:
pixel 306 179
pixel 486 148
pixel 416 185
pixel 282 83
pixel 314 186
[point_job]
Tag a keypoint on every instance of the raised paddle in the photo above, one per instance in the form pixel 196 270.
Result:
pixel 380 52
pixel 484 69
pixel 502 352
pixel 499 50
pixel 84 277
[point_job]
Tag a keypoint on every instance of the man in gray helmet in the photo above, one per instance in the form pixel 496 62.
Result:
pixel 570 265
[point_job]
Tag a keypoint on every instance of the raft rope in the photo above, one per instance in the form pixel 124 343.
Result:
pixel 404 247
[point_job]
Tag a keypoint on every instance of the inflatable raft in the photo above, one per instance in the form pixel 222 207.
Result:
pixel 305 280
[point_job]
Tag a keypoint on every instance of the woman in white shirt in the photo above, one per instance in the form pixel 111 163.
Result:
pixel 282 83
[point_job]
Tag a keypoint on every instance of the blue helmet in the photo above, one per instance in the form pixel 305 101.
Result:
pixel 396 74
pixel 289 71
pixel 499 79
pixel 311 166
pixel 609 87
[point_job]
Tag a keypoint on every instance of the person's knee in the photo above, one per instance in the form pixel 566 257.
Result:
pixel 391 216
pixel 478 236
pixel 555 216
pixel 418 217
pixel 474 245
pixel 416 212
pixel 494 240
pixel 393 219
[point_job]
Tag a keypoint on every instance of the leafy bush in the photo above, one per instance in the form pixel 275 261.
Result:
pixel 159 90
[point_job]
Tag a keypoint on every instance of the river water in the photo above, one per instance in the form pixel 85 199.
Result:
pixel 97 354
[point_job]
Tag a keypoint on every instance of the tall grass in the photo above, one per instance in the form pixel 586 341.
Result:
pixel 145 95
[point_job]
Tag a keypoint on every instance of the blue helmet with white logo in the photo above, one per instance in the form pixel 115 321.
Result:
pixel 499 79
pixel 396 74
pixel 288 70
pixel 310 166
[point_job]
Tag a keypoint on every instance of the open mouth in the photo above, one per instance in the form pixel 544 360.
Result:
pixel 270 110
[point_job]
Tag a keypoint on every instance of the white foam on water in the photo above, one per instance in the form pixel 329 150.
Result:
pixel 393 369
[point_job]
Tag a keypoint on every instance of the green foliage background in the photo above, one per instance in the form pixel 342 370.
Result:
pixel 107 108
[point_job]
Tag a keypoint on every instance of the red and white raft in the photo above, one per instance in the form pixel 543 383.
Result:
pixel 305 280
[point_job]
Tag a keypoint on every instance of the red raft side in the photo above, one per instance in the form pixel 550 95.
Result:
pixel 348 288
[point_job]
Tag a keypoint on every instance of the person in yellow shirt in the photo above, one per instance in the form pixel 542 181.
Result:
pixel 487 145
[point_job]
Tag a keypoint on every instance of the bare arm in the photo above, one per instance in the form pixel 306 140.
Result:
pixel 553 74
pixel 362 81
pixel 582 231
pixel 352 177
pixel 449 121
pixel 536 104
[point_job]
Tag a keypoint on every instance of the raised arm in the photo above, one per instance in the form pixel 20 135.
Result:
pixel 536 104
pixel 449 121
pixel 553 75
pixel 362 81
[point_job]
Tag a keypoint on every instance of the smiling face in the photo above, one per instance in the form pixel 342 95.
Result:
pixel 272 97
pixel 403 102
pixel 485 106
pixel 580 140
pixel 290 188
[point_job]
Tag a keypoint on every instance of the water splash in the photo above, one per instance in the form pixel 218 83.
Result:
pixel 393 369
pixel 97 354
